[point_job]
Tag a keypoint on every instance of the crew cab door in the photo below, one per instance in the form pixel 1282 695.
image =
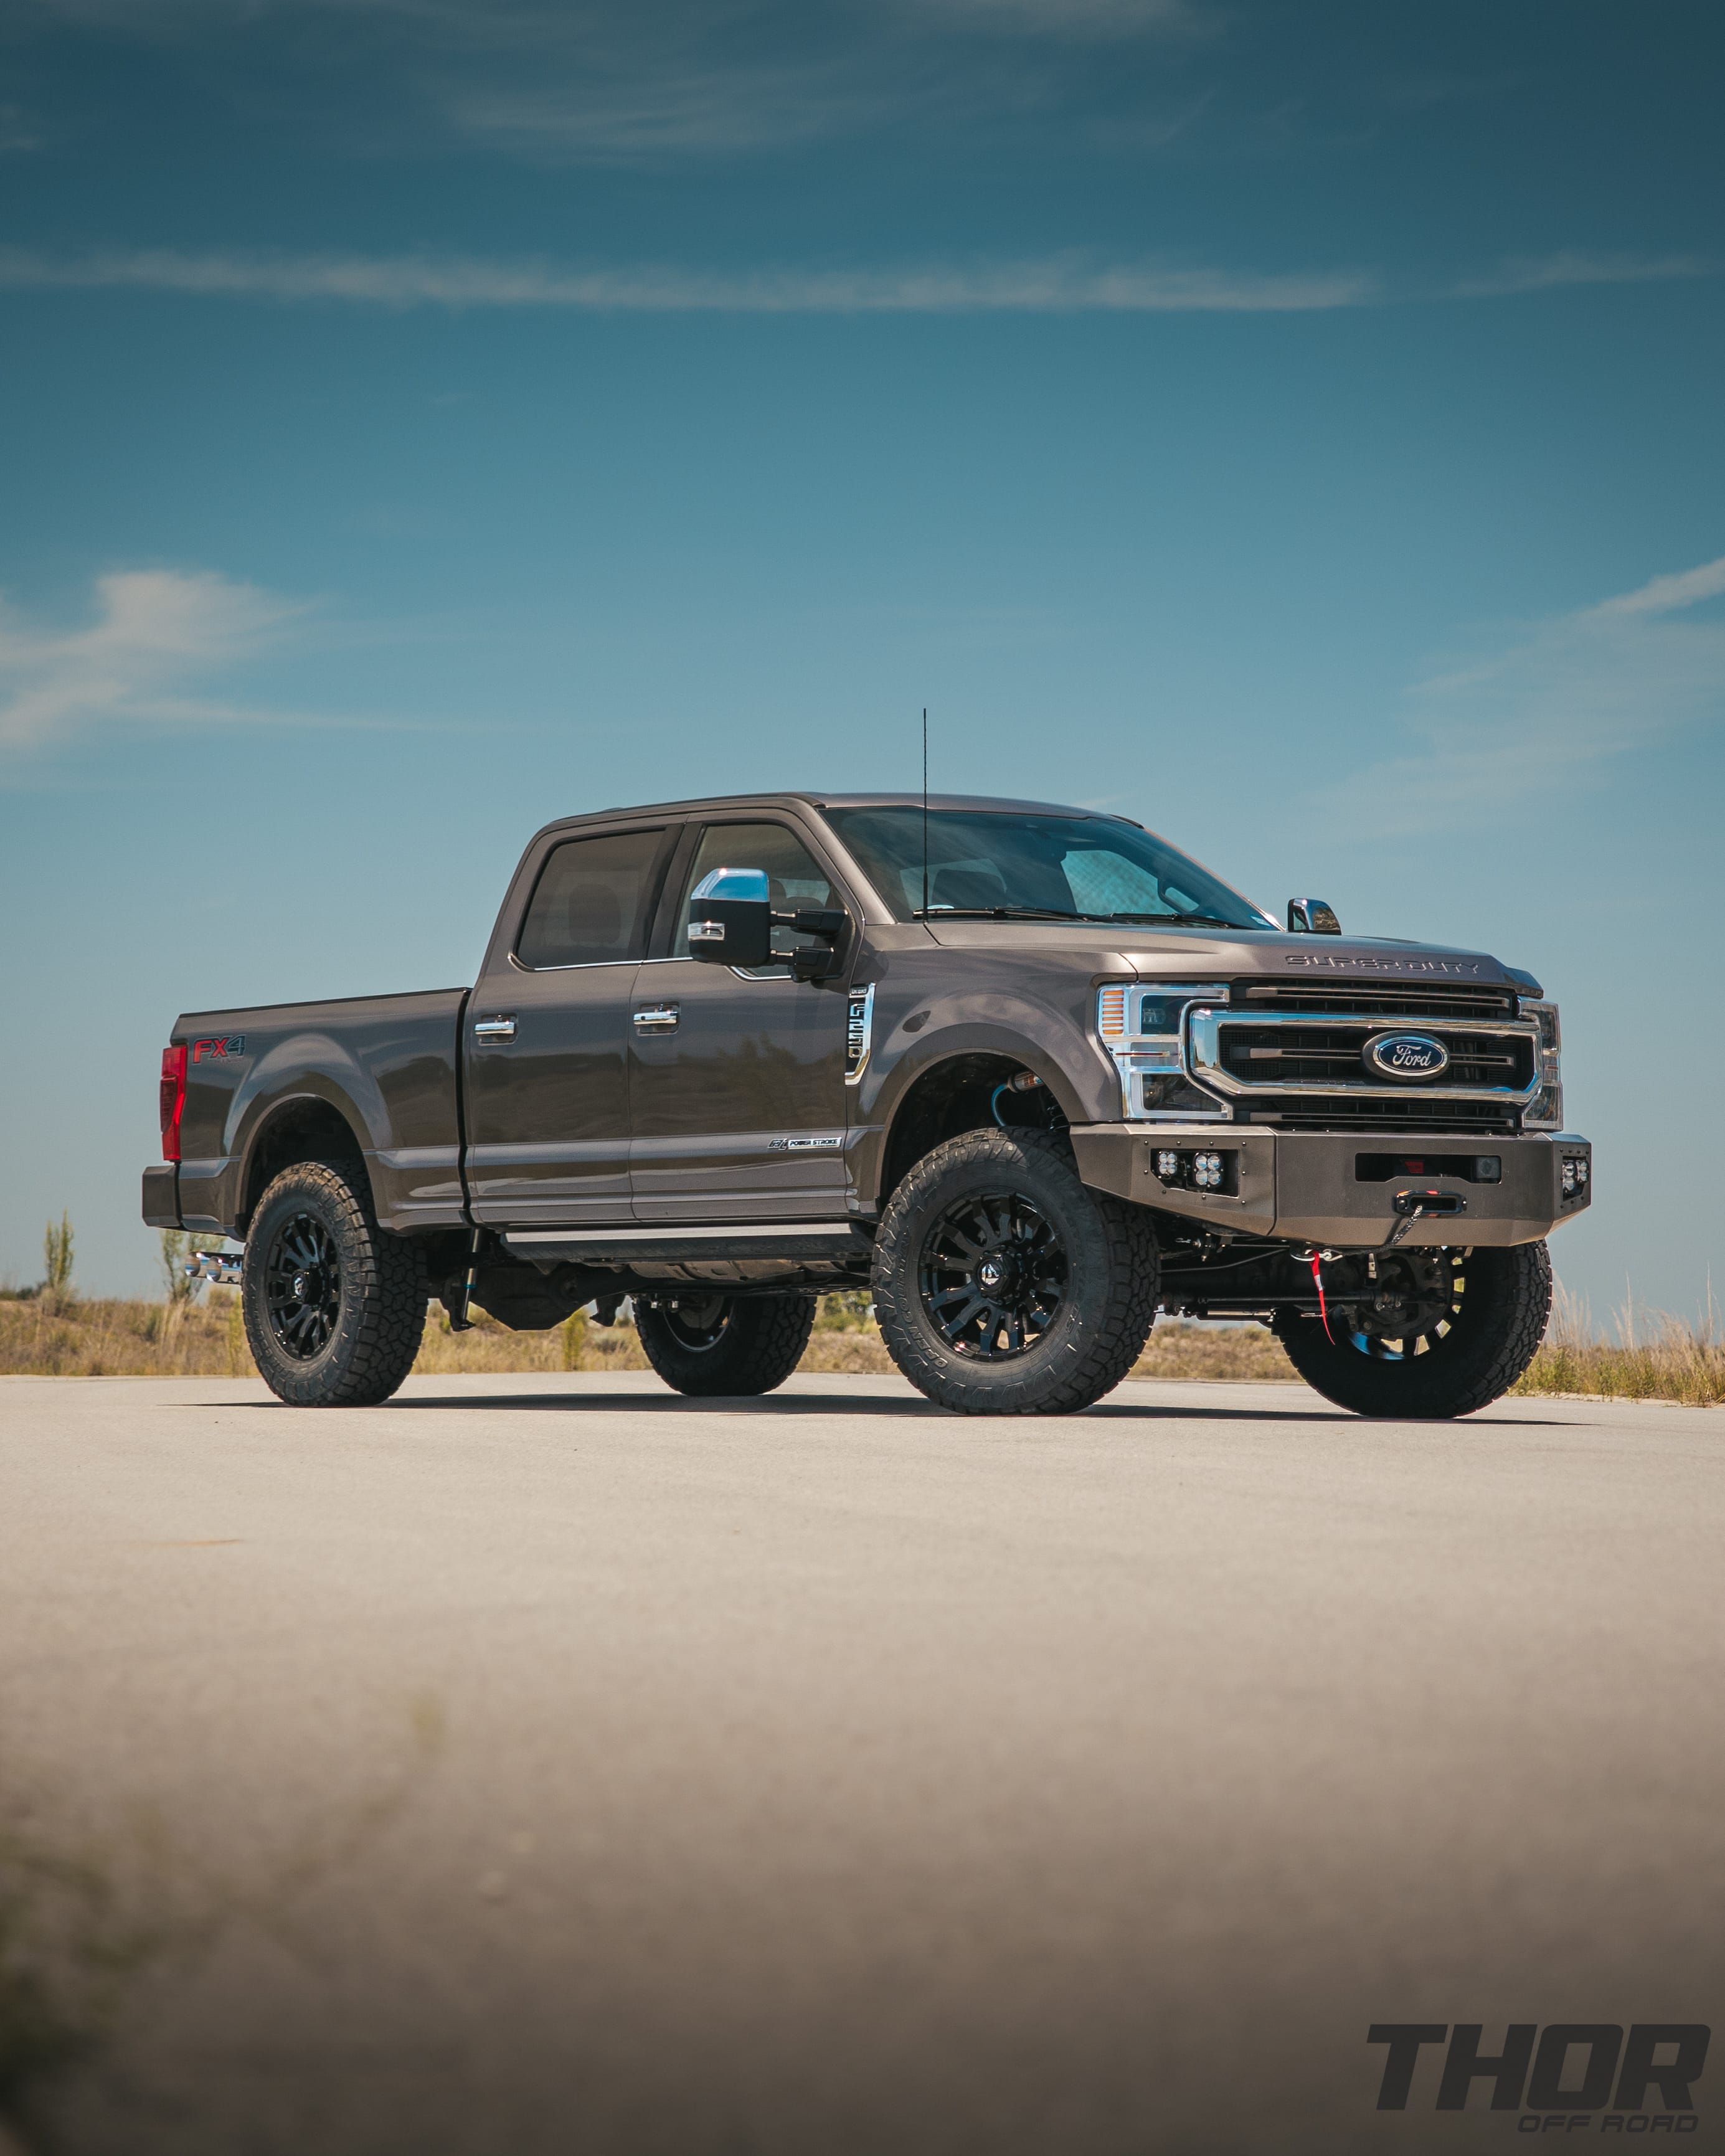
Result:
pixel 547 1065
pixel 737 1079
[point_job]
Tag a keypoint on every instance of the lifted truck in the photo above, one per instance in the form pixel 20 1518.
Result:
pixel 1027 1071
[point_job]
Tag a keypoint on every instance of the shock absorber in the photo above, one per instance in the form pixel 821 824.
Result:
pixel 459 1321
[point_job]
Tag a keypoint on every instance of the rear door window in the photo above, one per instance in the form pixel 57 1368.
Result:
pixel 591 903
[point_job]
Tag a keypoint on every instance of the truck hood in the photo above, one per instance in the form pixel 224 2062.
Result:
pixel 1223 954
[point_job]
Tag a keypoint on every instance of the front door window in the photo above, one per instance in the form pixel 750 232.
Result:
pixel 795 880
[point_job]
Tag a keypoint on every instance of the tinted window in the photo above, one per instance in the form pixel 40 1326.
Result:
pixel 794 878
pixel 590 904
pixel 979 861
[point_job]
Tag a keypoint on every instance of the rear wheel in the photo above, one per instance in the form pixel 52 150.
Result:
pixel 1423 1335
pixel 1003 1286
pixel 716 1344
pixel 334 1306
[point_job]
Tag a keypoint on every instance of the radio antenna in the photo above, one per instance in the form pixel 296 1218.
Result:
pixel 925 812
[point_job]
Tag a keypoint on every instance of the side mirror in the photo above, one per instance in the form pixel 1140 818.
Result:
pixel 731 918
pixel 1312 916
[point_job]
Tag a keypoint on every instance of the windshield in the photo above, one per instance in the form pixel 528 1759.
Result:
pixel 1013 866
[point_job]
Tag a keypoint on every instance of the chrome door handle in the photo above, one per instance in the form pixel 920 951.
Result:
pixel 658 1017
pixel 489 1029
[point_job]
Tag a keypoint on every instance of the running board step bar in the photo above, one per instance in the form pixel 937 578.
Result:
pixel 742 1239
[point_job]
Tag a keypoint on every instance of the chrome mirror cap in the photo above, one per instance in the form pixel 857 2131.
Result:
pixel 1312 916
pixel 731 918
pixel 749 885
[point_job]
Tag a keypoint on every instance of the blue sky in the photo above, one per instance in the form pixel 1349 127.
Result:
pixel 1299 427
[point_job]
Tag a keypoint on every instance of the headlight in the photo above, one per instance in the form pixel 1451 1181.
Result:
pixel 1141 1023
pixel 1545 1111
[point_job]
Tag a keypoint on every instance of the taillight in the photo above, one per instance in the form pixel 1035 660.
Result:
pixel 173 1099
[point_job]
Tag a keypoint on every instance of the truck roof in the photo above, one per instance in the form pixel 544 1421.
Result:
pixel 842 798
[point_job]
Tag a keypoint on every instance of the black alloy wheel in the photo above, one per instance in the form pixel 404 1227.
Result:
pixel 992 1275
pixel 335 1306
pixel 1005 1285
pixel 1422 1335
pixel 302 1286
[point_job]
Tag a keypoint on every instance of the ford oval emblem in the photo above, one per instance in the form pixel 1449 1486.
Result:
pixel 1410 1057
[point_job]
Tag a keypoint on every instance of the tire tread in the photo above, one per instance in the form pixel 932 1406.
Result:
pixel 1462 1374
pixel 764 1347
pixel 1114 1340
pixel 384 1324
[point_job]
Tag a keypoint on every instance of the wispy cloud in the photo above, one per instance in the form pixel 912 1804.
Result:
pixel 1688 588
pixel 156 633
pixel 654 116
pixel 1069 283
pixel 1069 19
pixel 656 83
pixel 1548 273
pixel 1055 284
pixel 1551 708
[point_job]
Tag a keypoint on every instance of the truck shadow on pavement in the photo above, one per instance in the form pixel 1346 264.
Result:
pixel 800 1404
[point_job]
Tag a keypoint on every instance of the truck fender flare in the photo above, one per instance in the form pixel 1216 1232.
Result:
pixel 260 1108
pixel 951 1044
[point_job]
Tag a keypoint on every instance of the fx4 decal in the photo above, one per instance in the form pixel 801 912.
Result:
pixel 219 1049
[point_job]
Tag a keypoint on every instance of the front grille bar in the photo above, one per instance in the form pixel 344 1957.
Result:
pixel 1356 999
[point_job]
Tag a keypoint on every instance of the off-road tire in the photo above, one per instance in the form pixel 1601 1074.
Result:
pixel 378 1305
pixel 1105 1313
pixel 1500 1321
pixel 758 1341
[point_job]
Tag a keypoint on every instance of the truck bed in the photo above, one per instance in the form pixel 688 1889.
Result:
pixel 388 1064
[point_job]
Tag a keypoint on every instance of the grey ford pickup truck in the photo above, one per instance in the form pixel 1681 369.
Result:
pixel 1026 1072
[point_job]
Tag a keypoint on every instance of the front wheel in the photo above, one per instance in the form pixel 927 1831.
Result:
pixel 1004 1285
pixel 1423 1335
pixel 334 1306
pixel 718 1344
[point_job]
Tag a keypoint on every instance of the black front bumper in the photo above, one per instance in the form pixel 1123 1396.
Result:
pixel 1342 1190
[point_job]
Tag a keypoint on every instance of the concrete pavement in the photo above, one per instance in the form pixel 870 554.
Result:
pixel 553 1764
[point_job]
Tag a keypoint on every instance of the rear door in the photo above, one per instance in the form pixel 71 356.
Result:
pixel 737 1079
pixel 547 1070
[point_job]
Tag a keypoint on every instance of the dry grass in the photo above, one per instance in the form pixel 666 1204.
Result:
pixel 77 1339
pixel 844 1342
pixel 1215 1354
pixel 493 1348
pixel 59 1336
pixel 68 1338
pixel 1654 1357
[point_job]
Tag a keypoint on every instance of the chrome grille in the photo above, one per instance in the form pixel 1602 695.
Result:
pixel 1303 1068
pixel 1291 1052
pixel 1407 999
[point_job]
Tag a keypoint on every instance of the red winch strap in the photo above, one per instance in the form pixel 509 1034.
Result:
pixel 1322 1307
